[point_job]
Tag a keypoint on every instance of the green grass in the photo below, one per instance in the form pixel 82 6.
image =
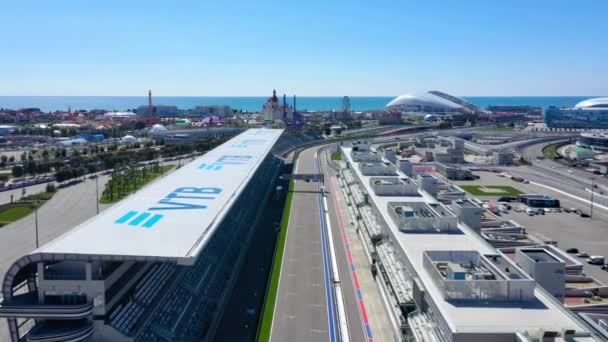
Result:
pixel 486 190
pixel 550 151
pixel 23 207
pixel 273 284
pixel 336 155
pixel 105 198
pixel 14 213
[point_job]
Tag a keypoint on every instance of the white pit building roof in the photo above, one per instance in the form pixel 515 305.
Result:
pixel 543 313
pixel 174 216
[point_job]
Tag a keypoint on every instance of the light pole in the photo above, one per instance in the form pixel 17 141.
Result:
pixel 97 193
pixel 36 219
pixel 592 189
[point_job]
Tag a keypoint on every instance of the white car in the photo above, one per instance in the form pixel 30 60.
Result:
pixel 596 260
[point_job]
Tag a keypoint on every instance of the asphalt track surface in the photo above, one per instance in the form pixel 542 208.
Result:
pixel 301 309
pixel 304 310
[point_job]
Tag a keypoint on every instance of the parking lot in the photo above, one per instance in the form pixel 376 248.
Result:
pixel 567 229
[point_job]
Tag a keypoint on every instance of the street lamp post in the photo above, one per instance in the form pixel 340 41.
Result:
pixel 97 193
pixel 592 190
pixel 36 219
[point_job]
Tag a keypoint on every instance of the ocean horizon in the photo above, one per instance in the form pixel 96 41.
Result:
pixel 254 103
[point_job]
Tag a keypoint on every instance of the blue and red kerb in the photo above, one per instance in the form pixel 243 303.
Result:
pixel 368 329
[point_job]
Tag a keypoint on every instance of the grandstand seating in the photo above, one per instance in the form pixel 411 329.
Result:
pixel 289 141
pixel 125 316
pixel 190 306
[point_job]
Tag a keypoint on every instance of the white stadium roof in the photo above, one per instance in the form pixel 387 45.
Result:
pixel 424 100
pixel 598 102
pixel 174 216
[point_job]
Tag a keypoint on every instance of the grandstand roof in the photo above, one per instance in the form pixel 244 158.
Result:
pixel 174 216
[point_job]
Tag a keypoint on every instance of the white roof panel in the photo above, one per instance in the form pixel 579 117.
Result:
pixel 462 318
pixel 173 216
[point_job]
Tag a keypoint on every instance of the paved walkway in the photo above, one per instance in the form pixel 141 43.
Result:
pixel 373 308
pixel 69 207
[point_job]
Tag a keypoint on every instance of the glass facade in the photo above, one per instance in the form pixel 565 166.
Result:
pixel 596 141
pixel 576 118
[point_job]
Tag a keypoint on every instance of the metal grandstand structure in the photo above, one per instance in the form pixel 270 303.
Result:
pixel 157 266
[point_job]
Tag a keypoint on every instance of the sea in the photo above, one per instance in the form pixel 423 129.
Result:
pixel 254 103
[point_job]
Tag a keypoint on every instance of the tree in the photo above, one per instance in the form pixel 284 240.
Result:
pixel 50 187
pixel 17 171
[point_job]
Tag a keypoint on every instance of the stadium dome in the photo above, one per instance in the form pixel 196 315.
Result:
pixel 431 102
pixel 158 128
pixel 598 102
pixel 423 100
pixel 430 117
pixel 128 139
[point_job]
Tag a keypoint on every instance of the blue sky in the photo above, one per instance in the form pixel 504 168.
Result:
pixel 315 48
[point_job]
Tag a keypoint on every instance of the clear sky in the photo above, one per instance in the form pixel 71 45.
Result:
pixel 335 47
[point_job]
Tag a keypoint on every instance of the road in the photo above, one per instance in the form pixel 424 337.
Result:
pixel 572 180
pixel 301 310
pixel 305 307
pixel 69 207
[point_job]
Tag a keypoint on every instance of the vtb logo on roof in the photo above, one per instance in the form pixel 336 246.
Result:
pixel 225 160
pixel 145 220
pixel 211 167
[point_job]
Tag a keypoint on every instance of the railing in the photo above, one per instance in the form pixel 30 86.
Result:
pixel 46 311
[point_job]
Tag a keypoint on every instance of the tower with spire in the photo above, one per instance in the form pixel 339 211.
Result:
pixel 273 110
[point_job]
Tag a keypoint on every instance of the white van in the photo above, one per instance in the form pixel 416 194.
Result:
pixel 596 260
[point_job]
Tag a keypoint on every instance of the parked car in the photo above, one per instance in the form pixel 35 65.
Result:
pixel 596 260
pixel 572 250
pixel 584 215
pixel 605 267
pixel 583 255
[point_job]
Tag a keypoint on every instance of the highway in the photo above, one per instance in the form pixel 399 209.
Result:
pixel 572 180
